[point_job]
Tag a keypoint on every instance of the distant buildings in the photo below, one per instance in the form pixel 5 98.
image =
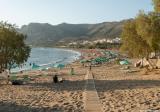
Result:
pixel 109 41
pixel 115 40
pixel 93 42
pixel 73 43
pixel 100 41
pixel 86 42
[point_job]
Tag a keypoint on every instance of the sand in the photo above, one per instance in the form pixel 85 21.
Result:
pixel 120 91
pixel 42 95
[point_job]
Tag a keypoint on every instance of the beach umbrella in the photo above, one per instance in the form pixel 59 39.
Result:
pixel 124 62
pixel 83 61
pixel 35 66
pixel 101 59
pixel 59 66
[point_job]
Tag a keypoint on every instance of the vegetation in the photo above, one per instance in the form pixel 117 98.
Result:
pixel 141 36
pixel 132 42
pixel 13 51
pixel 104 45
pixel 156 4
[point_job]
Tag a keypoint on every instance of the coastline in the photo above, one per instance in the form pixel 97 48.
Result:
pixel 118 89
pixel 75 57
pixel 41 94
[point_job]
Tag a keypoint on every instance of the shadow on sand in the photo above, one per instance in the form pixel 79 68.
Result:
pixel 12 107
pixel 101 85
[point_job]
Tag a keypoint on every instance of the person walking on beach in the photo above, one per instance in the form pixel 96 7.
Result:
pixel 90 67
pixel 72 71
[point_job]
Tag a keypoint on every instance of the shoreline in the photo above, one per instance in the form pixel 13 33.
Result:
pixel 41 94
pixel 118 90
pixel 75 57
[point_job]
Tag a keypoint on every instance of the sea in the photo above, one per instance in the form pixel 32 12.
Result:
pixel 45 58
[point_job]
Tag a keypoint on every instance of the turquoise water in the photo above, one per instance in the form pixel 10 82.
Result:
pixel 47 57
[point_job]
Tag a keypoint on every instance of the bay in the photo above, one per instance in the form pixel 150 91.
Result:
pixel 48 57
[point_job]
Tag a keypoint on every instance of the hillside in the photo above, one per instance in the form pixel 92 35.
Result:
pixel 39 34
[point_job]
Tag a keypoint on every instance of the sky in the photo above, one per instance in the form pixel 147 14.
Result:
pixel 23 12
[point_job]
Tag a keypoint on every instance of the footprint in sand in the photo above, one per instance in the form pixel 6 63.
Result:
pixel 78 104
pixel 66 103
pixel 60 101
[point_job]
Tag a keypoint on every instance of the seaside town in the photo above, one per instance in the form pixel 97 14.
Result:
pixel 89 43
pixel 85 42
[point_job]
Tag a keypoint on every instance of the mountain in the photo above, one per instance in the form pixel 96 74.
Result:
pixel 45 34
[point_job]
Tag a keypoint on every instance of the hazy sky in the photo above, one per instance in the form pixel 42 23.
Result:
pixel 23 12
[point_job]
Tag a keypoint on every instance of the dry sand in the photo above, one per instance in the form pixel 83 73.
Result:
pixel 42 95
pixel 120 91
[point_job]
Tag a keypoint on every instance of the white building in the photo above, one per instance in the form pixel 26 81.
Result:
pixel 117 40
pixel 73 43
pixel 85 42
pixel 109 41
pixel 100 41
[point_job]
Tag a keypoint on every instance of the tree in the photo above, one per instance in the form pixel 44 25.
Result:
pixel 148 27
pixel 156 4
pixel 141 36
pixel 13 51
pixel 133 43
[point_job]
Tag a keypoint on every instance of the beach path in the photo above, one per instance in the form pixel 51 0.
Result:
pixel 91 99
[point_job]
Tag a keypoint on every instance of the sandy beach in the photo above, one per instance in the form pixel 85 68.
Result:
pixel 118 89
pixel 42 95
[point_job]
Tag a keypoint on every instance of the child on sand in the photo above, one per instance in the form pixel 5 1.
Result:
pixel 90 67
pixel 72 71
